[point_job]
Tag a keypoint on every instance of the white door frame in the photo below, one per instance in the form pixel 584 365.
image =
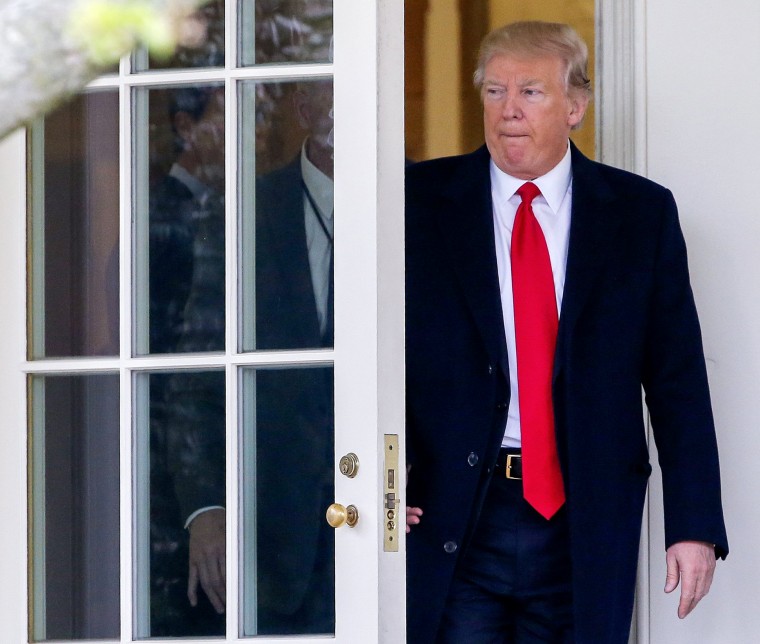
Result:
pixel 621 137
pixel 13 501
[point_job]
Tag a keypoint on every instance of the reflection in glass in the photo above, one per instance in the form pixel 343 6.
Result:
pixel 181 470
pixel 205 46
pixel 75 511
pixel 75 229
pixel 287 215
pixel 288 549
pixel 179 242
pixel 276 31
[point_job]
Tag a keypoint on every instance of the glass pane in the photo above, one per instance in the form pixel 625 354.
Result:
pixel 277 31
pixel 180 471
pixel 75 229
pixel 287 214
pixel 204 47
pixel 288 549
pixel 75 510
pixel 179 235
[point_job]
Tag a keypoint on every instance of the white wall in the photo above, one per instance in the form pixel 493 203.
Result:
pixel 703 142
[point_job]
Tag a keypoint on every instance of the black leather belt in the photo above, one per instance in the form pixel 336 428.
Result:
pixel 509 464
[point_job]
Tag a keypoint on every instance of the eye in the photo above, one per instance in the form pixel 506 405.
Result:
pixel 532 93
pixel 494 92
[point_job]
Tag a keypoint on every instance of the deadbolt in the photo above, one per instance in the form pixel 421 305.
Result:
pixel 338 515
pixel 349 465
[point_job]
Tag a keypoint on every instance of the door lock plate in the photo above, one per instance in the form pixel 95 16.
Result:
pixel 391 498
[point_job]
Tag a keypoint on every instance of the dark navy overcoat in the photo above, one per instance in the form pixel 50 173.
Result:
pixel 628 320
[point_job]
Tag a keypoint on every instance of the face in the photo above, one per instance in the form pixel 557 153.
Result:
pixel 528 114
pixel 314 107
pixel 204 140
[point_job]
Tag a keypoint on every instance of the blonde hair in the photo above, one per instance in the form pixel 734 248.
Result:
pixel 533 39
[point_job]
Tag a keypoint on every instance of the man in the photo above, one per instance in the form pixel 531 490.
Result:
pixel 535 313
pixel 292 438
pixel 185 204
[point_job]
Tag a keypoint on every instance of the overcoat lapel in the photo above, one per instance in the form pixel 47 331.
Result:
pixel 593 225
pixel 466 227
pixel 291 256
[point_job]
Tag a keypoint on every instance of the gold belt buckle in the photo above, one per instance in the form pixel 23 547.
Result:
pixel 508 468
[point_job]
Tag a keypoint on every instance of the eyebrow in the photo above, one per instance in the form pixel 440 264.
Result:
pixel 531 81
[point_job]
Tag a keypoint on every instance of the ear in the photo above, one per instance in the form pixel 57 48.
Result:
pixel 302 108
pixel 578 105
pixel 183 125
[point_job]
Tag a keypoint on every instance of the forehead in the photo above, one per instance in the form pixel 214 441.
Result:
pixel 505 68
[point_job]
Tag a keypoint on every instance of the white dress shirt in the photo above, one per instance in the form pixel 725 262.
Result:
pixel 552 210
pixel 319 246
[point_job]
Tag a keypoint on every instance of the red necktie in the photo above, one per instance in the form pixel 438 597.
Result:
pixel 536 324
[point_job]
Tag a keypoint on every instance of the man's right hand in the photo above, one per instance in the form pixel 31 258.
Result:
pixel 412 517
pixel 208 558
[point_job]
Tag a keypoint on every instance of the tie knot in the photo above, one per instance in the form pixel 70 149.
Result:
pixel 528 192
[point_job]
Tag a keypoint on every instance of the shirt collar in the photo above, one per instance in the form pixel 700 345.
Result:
pixel 200 191
pixel 553 185
pixel 320 186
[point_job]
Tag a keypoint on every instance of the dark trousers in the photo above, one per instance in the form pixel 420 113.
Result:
pixel 512 585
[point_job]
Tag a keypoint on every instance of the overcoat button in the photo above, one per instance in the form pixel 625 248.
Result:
pixel 490 369
pixel 472 459
pixel 449 547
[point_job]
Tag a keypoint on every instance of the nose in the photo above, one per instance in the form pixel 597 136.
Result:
pixel 511 108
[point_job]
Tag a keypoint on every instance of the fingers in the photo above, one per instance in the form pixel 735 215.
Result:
pixel 212 579
pixel 694 586
pixel 412 517
pixel 672 576
pixel 694 563
pixel 210 572
pixel 192 585
pixel 207 560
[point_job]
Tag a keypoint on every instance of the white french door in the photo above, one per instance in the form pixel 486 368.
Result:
pixel 175 241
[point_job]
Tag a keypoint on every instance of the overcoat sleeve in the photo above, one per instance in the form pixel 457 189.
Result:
pixel 678 399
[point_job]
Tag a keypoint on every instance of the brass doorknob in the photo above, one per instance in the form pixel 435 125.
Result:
pixel 338 515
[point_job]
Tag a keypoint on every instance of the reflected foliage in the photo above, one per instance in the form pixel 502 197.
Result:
pixel 290 31
pixel 209 19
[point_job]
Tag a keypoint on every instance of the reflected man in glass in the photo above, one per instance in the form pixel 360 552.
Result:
pixel 186 285
pixel 292 433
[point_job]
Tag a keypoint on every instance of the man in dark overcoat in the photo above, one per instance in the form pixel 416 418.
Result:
pixel 487 560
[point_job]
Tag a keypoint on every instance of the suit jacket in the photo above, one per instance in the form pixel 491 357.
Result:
pixel 176 219
pixel 628 319
pixel 171 207
pixel 291 430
